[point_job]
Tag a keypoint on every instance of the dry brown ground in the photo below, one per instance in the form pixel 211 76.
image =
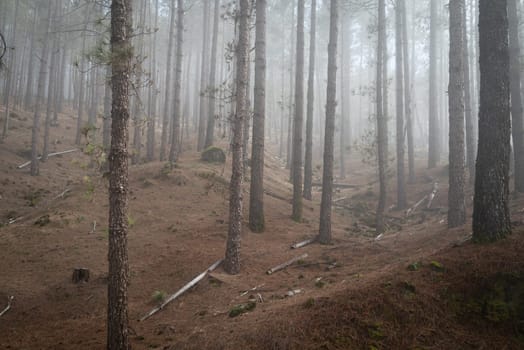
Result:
pixel 366 297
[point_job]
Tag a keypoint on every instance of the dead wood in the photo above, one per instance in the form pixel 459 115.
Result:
pixel 182 290
pixel 303 243
pixel 286 264
pixel 9 301
pixel 49 155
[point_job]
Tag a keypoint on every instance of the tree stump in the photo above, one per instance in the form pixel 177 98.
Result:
pixel 80 275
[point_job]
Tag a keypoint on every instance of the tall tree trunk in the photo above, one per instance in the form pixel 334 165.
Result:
pixel 382 137
pixel 308 165
pixel 232 259
pixel 456 196
pixel 470 129
pixel 202 123
pixel 12 61
pixel 324 235
pixel 118 278
pixel 165 117
pixel 256 193
pixel 399 70
pixel 299 116
pixel 106 128
pixel 210 133
pixel 40 96
pixel 138 115
pixel 291 106
pixel 79 122
pixel 407 95
pixel 28 100
pixel 177 108
pixel 516 99
pixel 433 130
pixel 152 103
pixel 345 120
pixel 491 218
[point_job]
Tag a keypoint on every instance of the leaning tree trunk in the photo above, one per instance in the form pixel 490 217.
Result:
pixel 308 165
pixel 456 196
pixel 177 108
pixel 118 278
pixel 256 193
pixel 382 137
pixel 324 235
pixel 401 180
pixel 517 129
pixel 299 116
pixel 433 130
pixel 40 97
pixel 167 98
pixel 210 132
pixel 232 260
pixel 491 218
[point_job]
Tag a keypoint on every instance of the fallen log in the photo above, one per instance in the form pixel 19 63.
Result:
pixel 9 301
pixel 414 207
pixel 49 155
pixel 286 264
pixel 181 291
pixel 303 243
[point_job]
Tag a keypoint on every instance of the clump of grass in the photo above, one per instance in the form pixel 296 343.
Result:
pixel 158 296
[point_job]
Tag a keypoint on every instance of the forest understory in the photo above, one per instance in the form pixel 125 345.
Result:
pixel 418 286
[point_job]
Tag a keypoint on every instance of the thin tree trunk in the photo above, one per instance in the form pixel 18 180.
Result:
pixel 516 98
pixel 177 108
pixel 165 117
pixel 470 129
pixel 79 124
pixel 106 131
pixel 7 92
pixel 152 111
pixel 28 101
pixel 324 236
pixel 491 217
pixel 345 120
pixel 399 70
pixel 456 195
pixel 308 165
pixel 232 259
pixel 433 130
pixel 381 118
pixel 202 124
pixel 35 169
pixel 407 95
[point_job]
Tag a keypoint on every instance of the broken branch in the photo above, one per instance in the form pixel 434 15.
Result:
pixel 9 301
pixel 49 155
pixel 286 264
pixel 303 243
pixel 432 194
pixel 181 291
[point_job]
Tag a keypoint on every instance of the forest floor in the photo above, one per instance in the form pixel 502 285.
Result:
pixel 420 286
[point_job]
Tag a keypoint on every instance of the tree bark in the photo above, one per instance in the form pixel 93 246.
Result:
pixel 152 99
pixel 491 218
pixel 324 235
pixel 202 123
pixel 256 198
pixel 382 137
pixel 35 169
pixel 79 122
pixel 517 129
pixel 308 164
pixel 232 259
pixel 299 116
pixel 456 195
pixel 118 278
pixel 177 108
pixel 165 119
pixel 399 70
pixel 210 133
pixel 7 92
pixel 433 129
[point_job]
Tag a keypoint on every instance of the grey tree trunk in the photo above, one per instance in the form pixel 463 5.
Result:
pixel 491 217
pixel 324 234
pixel 210 133
pixel 232 259
pixel 407 95
pixel 35 169
pixel 177 108
pixel 470 128
pixel 256 193
pixel 456 195
pixel 517 129
pixel 345 120
pixel 433 130
pixel 7 92
pixel 382 136
pixel 28 100
pixel 308 164
pixel 165 117
pixel 202 123
pixel 399 70
pixel 106 128
pixel 79 123
pixel 299 116
pixel 118 278
pixel 138 115
pixel 152 103
pixel 291 106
